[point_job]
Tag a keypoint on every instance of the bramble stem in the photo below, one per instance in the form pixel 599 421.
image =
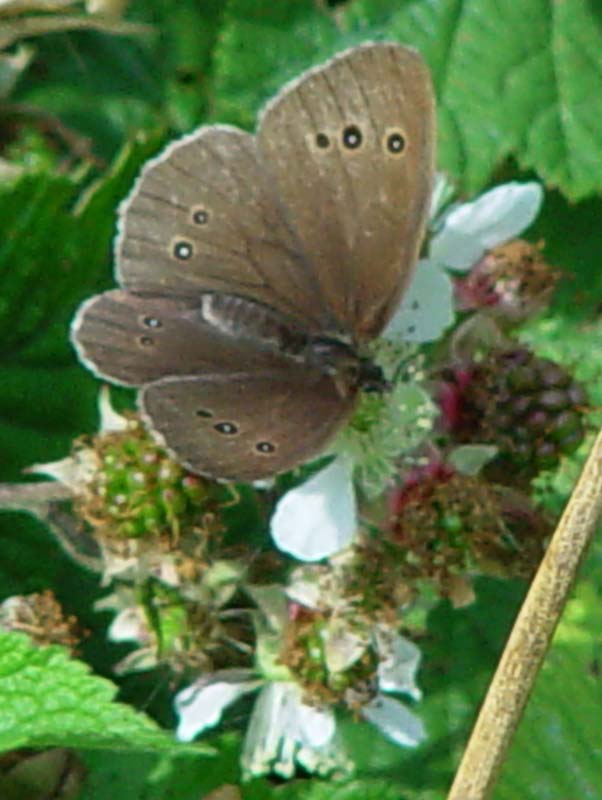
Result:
pixel 530 637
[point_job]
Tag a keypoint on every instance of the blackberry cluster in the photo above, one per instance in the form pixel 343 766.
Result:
pixel 138 491
pixel 529 407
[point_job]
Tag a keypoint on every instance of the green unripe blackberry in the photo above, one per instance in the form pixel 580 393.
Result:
pixel 138 491
pixel 449 527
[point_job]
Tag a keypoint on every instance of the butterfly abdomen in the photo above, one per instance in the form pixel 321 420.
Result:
pixel 267 329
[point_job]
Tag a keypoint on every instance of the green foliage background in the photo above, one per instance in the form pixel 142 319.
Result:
pixel 518 86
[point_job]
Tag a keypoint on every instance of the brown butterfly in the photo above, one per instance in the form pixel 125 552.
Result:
pixel 255 268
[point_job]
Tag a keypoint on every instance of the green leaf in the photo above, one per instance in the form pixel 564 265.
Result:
pixel 110 770
pixel 571 235
pixel 354 790
pixel 39 270
pixel 51 258
pixel 107 88
pixel 147 776
pixel 512 78
pixel 49 699
pixel 188 36
pixel 285 37
pixel 101 87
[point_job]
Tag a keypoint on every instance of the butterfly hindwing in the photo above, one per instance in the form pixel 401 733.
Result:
pixel 245 426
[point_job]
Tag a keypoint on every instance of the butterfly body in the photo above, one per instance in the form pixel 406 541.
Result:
pixel 254 269
pixel 248 320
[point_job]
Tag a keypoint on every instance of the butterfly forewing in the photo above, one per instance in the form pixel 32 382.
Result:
pixel 204 216
pixel 351 147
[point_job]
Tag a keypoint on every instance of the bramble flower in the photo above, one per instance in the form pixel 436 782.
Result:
pixel 349 653
pixel 293 723
pixel 284 730
pixel 186 627
pixel 501 274
pixel 319 517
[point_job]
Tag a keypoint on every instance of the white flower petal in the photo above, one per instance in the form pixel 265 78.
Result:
pixel 394 721
pixel 398 664
pixel 268 741
pixel 443 191
pixel 129 626
pixel 201 705
pixel 455 249
pixel 316 726
pixel 342 646
pixel 284 732
pixel 319 517
pixel 305 587
pixel 494 218
pixel 140 660
pixel 74 472
pixel 427 308
pixel 110 420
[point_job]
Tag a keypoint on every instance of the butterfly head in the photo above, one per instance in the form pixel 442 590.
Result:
pixel 371 378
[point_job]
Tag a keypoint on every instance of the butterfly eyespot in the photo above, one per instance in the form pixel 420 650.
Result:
pixel 352 137
pixel 152 322
pixel 200 216
pixel 203 413
pixel 265 447
pixel 322 141
pixel 395 142
pixel 182 250
pixel 146 341
pixel 415 305
pixel 227 428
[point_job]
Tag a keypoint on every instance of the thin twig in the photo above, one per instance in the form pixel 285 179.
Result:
pixel 22 496
pixel 531 637
pixel 26 27
pixel 78 145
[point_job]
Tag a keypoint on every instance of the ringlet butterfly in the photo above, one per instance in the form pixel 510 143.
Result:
pixel 255 268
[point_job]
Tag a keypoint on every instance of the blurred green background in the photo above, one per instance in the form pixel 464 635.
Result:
pixel 519 93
